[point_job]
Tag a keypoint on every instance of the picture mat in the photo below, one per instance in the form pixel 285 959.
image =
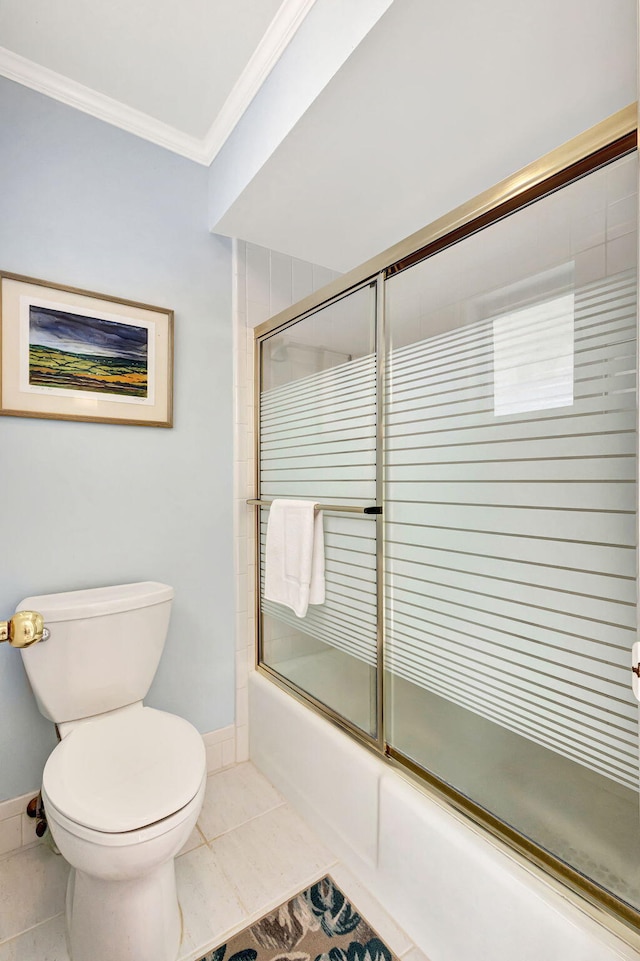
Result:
pixel 82 404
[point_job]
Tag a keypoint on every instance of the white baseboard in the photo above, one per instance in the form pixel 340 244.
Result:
pixel 16 829
pixel 220 746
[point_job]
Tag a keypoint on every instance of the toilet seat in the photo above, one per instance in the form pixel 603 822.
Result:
pixel 122 772
pixel 127 840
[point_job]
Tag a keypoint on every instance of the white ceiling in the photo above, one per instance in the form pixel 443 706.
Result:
pixel 439 101
pixel 171 70
pixel 425 105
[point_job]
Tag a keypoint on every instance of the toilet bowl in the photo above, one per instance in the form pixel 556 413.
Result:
pixel 122 794
pixel 124 787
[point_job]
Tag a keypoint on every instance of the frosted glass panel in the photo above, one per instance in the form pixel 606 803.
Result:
pixel 533 356
pixel 318 419
pixel 510 510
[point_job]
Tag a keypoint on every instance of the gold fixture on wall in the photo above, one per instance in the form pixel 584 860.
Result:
pixel 24 629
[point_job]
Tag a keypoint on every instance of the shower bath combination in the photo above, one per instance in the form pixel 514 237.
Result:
pixel 481 403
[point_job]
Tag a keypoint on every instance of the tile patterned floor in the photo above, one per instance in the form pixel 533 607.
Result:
pixel 249 853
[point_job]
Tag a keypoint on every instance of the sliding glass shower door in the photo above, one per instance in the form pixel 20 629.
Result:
pixel 478 384
pixel 510 523
pixel 318 439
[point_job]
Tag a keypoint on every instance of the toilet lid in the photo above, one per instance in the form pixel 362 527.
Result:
pixel 125 771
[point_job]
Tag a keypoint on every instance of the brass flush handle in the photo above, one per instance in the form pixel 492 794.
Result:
pixel 24 629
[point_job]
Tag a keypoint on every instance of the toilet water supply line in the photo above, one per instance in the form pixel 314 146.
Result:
pixel 24 629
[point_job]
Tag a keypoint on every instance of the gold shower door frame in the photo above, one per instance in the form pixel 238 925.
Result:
pixel 609 140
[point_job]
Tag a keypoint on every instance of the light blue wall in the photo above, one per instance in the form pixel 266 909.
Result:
pixel 84 505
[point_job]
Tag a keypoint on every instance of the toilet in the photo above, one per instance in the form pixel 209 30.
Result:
pixel 124 787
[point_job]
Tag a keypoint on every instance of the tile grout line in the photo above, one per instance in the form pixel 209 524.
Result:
pixel 200 832
pixel 251 918
pixel 32 927
pixel 263 912
pixel 23 847
pixel 255 817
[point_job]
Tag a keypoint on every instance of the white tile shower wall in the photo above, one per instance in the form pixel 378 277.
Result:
pixel 264 283
pixel 454 891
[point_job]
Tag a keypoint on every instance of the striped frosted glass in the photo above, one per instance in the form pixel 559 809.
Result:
pixel 511 521
pixel 318 442
pixel 318 436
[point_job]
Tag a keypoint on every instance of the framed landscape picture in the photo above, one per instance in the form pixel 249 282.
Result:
pixel 75 355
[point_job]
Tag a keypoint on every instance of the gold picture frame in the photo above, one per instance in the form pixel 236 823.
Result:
pixel 72 354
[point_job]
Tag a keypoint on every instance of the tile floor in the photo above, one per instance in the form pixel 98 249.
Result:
pixel 248 853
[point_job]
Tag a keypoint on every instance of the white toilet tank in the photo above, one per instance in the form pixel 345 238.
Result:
pixel 103 651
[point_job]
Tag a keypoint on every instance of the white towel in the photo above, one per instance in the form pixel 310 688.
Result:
pixel 294 561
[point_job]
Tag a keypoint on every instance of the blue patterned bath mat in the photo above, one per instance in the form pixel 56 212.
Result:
pixel 319 924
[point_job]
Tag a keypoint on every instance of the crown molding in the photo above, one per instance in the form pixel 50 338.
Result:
pixel 279 33
pixel 52 84
pixel 276 38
